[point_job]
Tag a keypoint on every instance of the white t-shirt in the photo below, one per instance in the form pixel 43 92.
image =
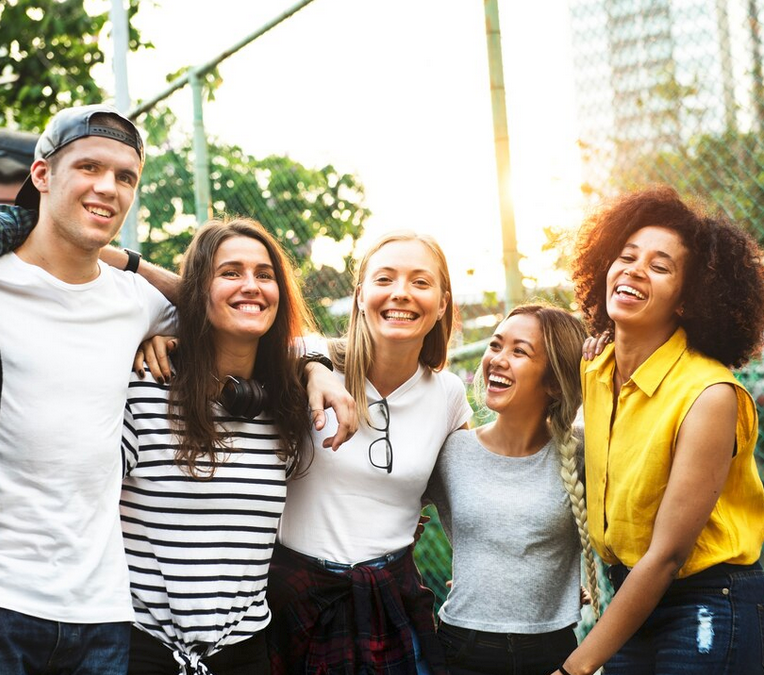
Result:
pixel 347 510
pixel 67 352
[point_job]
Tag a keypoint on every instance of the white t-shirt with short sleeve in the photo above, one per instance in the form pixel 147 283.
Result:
pixel 67 351
pixel 347 510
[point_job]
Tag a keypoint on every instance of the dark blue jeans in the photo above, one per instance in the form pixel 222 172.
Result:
pixel 32 646
pixel 474 652
pixel 709 624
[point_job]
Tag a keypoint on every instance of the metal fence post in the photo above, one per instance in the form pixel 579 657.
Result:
pixel 201 161
pixel 129 235
pixel 512 276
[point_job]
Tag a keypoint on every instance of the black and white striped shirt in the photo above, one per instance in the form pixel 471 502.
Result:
pixel 198 550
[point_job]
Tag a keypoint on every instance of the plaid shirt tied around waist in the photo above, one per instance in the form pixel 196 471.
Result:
pixel 354 622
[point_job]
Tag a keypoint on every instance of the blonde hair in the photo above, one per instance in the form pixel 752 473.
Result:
pixel 354 354
pixel 563 338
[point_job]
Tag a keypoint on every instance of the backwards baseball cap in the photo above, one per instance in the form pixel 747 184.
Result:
pixel 70 125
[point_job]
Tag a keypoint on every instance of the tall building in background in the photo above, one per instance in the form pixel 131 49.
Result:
pixel 652 75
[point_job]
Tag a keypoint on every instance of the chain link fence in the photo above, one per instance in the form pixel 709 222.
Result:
pixel 671 91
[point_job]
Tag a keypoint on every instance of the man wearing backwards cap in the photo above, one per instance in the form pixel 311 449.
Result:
pixel 69 330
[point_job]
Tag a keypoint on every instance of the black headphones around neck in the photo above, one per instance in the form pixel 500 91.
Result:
pixel 243 398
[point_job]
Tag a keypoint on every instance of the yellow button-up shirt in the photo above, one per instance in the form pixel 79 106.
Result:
pixel 628 464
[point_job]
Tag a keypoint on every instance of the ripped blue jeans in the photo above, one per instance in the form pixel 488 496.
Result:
pixel 711 623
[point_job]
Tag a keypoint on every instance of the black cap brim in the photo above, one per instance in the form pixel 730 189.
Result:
pixel 28 197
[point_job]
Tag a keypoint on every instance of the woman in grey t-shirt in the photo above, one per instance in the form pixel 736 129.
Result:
pixel 512 505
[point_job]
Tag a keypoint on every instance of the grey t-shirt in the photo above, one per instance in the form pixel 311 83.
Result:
pixel 517 557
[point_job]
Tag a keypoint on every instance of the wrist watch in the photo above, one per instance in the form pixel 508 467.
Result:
pixel 133 260
pixel 317 357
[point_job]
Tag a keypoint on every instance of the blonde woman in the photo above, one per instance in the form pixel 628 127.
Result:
pixel 345 593
pixel 512 504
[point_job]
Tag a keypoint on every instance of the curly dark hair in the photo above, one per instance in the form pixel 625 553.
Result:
pixel 723 293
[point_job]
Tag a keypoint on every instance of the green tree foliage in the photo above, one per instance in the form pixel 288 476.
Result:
pixel 752 377
pixel 48 49
pixel 725 170
pixel 433 557
pixel 296 203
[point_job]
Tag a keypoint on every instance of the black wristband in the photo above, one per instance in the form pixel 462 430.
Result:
pixel 561 668
pixel 133 260
pixel 317 357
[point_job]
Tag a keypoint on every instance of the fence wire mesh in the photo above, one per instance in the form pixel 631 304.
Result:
pixel 671 91
pixel 302 206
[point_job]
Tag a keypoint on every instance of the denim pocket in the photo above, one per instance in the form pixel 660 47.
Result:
pixel 700 591
pixel 746 591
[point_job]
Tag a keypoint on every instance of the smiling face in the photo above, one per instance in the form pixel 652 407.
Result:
pixel 644 283
pixel 86 190
pixel 514 366
pixel 244 294
pixel 400 295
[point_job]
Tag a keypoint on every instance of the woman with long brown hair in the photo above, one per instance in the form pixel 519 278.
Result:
pixel 207 456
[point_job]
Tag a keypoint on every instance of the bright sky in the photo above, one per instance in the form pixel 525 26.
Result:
pixel 397 92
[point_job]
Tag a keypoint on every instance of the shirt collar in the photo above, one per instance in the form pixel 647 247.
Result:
pixel 651 373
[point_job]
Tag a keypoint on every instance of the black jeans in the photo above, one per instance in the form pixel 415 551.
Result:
pixel 474 652
pixel 148 656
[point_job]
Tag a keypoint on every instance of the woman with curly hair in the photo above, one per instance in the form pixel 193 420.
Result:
pixel 676 507
pixel 512 504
